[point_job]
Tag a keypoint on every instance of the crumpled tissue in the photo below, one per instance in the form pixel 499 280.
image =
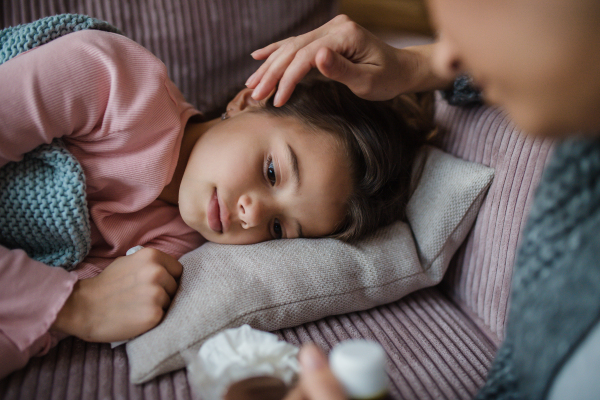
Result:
pixel 237 354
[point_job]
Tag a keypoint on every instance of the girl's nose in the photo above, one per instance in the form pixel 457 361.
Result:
pixel 250 211
pixel 446 61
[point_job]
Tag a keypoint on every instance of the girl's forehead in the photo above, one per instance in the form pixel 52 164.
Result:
pixel 325 187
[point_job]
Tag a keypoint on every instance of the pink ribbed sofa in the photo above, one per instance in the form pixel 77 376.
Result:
pixel 440 341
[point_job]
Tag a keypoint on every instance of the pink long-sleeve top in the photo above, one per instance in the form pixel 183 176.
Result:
pixel 119 114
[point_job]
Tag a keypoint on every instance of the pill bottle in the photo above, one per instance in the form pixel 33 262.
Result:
pixel 359 365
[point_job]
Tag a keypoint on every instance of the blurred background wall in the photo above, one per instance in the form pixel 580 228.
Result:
pixel 400 23
pixel 399 15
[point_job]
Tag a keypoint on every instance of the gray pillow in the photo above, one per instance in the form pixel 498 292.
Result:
pixel 279 284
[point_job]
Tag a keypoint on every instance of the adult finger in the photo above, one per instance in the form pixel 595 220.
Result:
pixel 268 81
pixel 290 78
pixel 266 51
pixel 316 379
pixel 301 65
pixel 304 39
pixel 289 69
pixel 283 51
pixel 256 77
pixel 330 63
pixel 358 77
pixel 281 54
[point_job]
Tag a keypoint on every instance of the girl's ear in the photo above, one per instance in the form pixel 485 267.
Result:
pixel 243 101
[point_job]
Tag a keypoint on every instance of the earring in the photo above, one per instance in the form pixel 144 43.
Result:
pixel 224 116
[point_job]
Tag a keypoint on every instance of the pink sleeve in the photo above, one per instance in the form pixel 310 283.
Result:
pixel 31 296
pixel 63 88
pixel 44 96
pixel 84 85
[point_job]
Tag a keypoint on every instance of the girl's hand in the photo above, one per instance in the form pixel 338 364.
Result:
pixel 346 52
pixel 127 299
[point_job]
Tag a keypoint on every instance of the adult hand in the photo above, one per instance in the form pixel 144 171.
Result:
pixel 317 382
pixel 346 52
pixel 127 299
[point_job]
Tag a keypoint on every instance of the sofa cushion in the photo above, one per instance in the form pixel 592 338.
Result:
pixel 480 275
pixel 280 284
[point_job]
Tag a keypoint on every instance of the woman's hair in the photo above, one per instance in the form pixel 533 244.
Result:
pixel 381 139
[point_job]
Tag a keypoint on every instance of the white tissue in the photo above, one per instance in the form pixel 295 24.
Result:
pixel 237 354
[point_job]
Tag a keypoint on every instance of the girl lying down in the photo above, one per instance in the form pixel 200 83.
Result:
pixel 327 164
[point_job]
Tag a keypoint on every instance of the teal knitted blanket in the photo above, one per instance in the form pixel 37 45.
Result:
pixel 43 207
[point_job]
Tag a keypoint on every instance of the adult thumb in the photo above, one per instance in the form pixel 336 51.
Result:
pixel 316 379
pixel 337 67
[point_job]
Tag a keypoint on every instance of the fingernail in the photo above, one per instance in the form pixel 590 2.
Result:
pixel 277 99
pixel 250 79
pixel 256 91
pixel 252 54
pixel 311 358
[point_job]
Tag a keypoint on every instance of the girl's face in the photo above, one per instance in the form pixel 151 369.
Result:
pixel 539 59
pixel 255 177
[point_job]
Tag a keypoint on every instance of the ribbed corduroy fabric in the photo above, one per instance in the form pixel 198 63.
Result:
pixel 434 353
pixel 479 277
pixel 205 44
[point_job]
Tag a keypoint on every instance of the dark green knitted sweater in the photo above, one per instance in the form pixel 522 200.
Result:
pixel 555 298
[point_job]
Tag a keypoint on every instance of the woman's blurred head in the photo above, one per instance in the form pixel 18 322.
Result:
pixel 326 164
pixel 539 59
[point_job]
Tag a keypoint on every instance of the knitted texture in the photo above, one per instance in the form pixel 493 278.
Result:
pixel 43 207
pixel 556 277
pixel 17 39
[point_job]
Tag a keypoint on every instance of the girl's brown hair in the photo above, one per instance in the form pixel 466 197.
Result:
pixel 381 139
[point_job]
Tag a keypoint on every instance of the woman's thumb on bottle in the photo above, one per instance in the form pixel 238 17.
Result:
pixel 316 379
pixel 311 358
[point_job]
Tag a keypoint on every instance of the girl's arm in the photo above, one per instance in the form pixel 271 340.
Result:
pixel 31 295
pixel 52 91
pixel 42 98
pixel 83 87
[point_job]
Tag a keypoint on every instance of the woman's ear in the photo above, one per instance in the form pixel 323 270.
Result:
pixel 243 101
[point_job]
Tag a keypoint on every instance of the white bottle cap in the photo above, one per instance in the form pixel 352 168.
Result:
pixel 133 250
pixel 359 365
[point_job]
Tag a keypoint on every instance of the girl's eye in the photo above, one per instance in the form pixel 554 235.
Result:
pixel 271 172
pixel 277 233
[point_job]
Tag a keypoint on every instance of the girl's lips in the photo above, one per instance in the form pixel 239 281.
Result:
pixel 213 213
pixel 224 215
